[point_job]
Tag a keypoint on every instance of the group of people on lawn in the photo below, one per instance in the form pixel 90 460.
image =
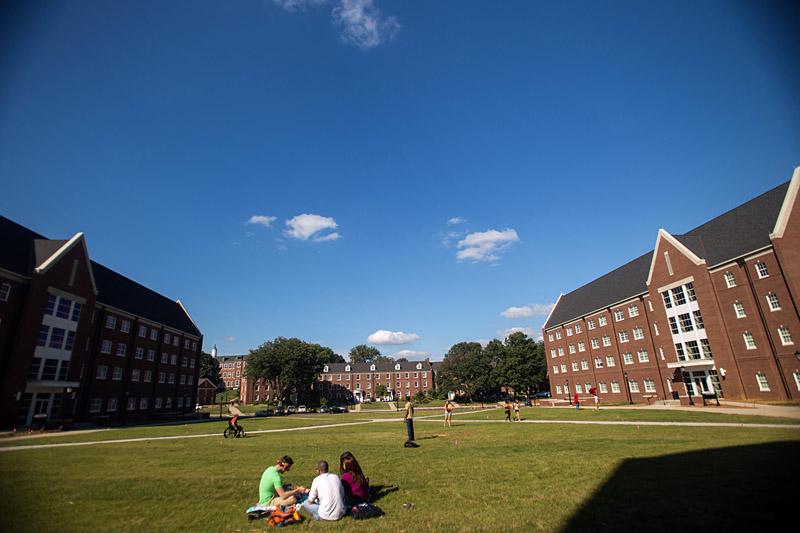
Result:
pixel 329 496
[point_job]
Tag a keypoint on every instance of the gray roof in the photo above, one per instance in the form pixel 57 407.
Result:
pixel 379 367
pixel 22 250
pixel 733 234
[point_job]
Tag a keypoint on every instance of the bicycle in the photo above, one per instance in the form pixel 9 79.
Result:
pixel 234 430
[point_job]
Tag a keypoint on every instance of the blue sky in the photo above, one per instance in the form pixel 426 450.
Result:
pixel 416 169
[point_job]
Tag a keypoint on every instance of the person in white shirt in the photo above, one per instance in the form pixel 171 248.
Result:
pixel 326 496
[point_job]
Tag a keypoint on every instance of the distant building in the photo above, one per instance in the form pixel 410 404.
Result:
pixel 80 342
pixel 711 311
pixel 231 369
pixel 358 381
pixel 206 391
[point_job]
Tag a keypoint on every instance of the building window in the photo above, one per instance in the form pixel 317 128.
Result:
pixel 623 336
pixel 57 338
pixel 606 340
pixel 667 300
pixel 679 295
pixel 112 405
pixel 578 388
pixel 690 291
pixel 638 333
pixel 571 348
pixel 135 373
pixel 619 315
pixel 164 358
pixel 131 403
pixel 585 364
pixel 563 368
pixel 680 352
pixel 595 344
pixel 610 360
pixel 673 325
pixel 574 366
pixel 603 387
pixel 634 385
pixel 590 323
pixel 148 376
pixel 578 328
pixel 633 310
pixel 739 308
pixel 581 346
pixel 644 357
pixel 558 334
pixel 185 344
pixel 549 338
pixel 176 341
pixel 158 402
pixel 615 386
pixel 569 332
pixel 763 384
pixel 151 355
pixel 125 327
pixel 686 322
pixel 761 269
pixel 101 372
pixel 143 331
pixel 772 300
pixel 796 375
pixel 111 322
pixel 598 362
pixel 603 320
pixel 693 350
pixel 154 334
pixel 117 376
pixel 698 320
pixel 162 377
pixel 786 337
pixel 95 405
pixel 139 352
pixel 730 281
pixel 558 389
pixel 64 305
pixel 555 369
pixel 168 403
pixel 50 305
pixel 627 358
pixel 706 349
pixel 566 389
pixel 561 351
pixel 167 338
pixel 172 379
pixel 41 337
pixel 649 385
pixel 749 342
pixel 76 312
pixel 121 349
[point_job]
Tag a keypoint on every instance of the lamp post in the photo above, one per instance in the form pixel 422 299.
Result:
pixel 627 388
pixel 566 389
pixel 686 384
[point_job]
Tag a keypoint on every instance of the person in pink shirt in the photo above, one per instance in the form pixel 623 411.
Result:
pixel 356 486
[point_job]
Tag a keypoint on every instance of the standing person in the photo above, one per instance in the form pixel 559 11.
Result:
pixel 516 411
pixel 326 497
pixel 271 490
pixel 577 402
pixel 409 419
pixel 448 413
pixel 507 410
pixel 593 392
pixel 356 485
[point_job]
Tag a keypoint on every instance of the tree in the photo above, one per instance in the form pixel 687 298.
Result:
pixel 467 368
pixel 209 368
pixel 329 355
pixel 367 354
pixel 290 364
pixel 381 391
pixel 521 366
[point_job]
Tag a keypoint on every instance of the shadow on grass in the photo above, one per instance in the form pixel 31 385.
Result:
pixel 731 489
pixel 376 492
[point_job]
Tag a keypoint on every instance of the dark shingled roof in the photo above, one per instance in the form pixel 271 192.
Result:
pixel 21 250
pixel 379 367
pixel 730 235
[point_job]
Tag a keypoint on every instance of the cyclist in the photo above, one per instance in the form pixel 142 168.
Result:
pixel 234 411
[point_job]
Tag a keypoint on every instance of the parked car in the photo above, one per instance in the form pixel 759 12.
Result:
pixel 280 411
pixel 265 412
pixel 291 409
pixel 198 407
pixel 337 409
pixel 324 409
pixel 302 409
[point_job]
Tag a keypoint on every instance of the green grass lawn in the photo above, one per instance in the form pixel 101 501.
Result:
pixel 471 477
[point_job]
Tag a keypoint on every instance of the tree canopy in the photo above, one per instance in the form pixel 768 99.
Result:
pixel 364 353
pixel 292 365
pixel 209 368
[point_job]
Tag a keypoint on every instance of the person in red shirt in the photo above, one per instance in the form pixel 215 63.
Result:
pixel 577 401
pixel 593 392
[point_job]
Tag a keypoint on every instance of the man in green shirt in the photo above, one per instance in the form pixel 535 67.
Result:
pixel 271 490
pixel 409 418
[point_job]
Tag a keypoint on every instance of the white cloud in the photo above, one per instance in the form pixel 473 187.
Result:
pixel 527 311
pixel 298 5
pixel 484 245
pixel 527 331
pixel 410 354
pixel 230 339
pixel 456 220
pixel 306 226
pixel 362 24
pixel 383 336
pixel 263 220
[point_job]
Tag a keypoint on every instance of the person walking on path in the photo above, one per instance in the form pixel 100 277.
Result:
pixel 409 419
pixel 516 411
pixel 448 413
pixel 507 410
pixel 577 402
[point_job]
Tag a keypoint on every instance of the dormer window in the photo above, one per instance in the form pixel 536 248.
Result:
pixel 372 368
pixel 397 366
pixel 347 368
pixel 419 366
pixel 325 368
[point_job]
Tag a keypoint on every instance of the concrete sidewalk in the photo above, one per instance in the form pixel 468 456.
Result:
pixel 726 407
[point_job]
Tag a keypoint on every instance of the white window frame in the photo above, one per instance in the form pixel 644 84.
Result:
pixel 638 333
pixel 730 279
pixel 763 383
pixel 111 322
pixel 633 310
pixel 105 346
pixel 619 315
pixel 749 340
pixel 606 340
pixel 786 337
pixel 627 358
pixel 615 387
pixel 772 298
pixel 602 320
pixel 610 361
pixel 649 385
pixel 738 308
pixel 761 269
pixel 643 356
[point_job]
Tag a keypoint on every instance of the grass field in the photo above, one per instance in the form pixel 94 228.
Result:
pixel 479 475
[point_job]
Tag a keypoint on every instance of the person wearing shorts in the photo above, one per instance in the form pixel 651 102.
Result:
pixel 516 411
pixel 271 490
pixel 448 413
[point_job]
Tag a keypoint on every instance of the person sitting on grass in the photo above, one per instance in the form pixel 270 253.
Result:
pixel 271 490
pixel 356 486
pixel 326 497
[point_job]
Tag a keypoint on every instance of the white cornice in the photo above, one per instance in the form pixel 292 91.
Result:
pixel 546 320
pixel 66 247
pixel 788 204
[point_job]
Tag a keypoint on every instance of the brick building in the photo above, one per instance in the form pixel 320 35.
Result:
pixel 358 381
pixel 206 392
pixel 713 310
pixel 80 342
pixel 231 370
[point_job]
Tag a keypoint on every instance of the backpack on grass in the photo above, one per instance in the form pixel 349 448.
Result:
pixel 366 510
pixel 284 518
